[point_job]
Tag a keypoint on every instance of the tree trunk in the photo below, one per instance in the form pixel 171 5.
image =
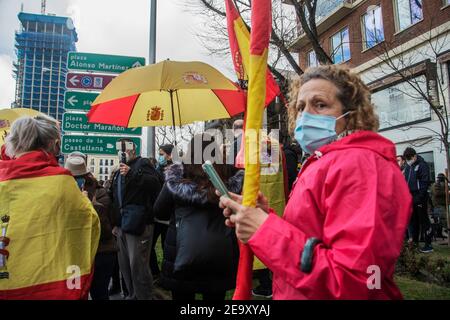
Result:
pixel 447 157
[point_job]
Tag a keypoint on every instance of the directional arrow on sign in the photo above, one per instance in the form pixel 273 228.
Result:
pixel 78 100
pixel 74 81
pixel 72 100
pixel 136 64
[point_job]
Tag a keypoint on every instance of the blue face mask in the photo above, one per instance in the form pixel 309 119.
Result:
pixel 80 182
pixel 315 130
pixel 162 160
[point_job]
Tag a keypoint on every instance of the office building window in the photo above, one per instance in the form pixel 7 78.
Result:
pixel 106 162
pixel 372 23
pixel 408 12
pixel 112 162
pixel 92 162
pixel 340 46
pixel 312 59
pixel 101 162
pixel 399 105
pixel 100 170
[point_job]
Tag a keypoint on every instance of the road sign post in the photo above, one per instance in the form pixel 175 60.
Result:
pixel 83 80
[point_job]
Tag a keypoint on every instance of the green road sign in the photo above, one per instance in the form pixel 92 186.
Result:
pixel 77 122
pixel 75 100
pixel 95 144
pixel 102 62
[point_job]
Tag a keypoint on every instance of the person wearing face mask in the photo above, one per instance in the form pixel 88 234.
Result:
pixel 343 227
pixel 134 189
pixel 417 174
pixel 106 252
pixel 164 158
pixel 53 228
pixel 164 161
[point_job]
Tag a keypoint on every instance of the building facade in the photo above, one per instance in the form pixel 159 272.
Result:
pixel 401 49
pixel 102 166
pixel 42 46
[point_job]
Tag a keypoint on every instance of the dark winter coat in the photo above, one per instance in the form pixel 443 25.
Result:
pixel 179 197
pixel 291 165
pixel 438 194
pixel 102 204
pixel 418 178
pixel 141 186
pixel 160 169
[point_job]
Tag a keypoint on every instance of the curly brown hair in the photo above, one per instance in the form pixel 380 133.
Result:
pixel 352 93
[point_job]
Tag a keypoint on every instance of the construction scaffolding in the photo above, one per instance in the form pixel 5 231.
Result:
pixel 42 46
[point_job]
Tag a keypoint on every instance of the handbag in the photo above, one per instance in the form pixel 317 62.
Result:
pixel 133 216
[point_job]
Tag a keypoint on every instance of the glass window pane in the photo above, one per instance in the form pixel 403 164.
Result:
pixel 400 104
pixel 369 29
pixel 404 14
pixel 416 10
pixel 312 59
pixel 379 25
pixel 336 49
pixel 346 44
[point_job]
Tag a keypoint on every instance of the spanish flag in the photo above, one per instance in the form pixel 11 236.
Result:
pixel 261 19
pixel 239 38
pixel 53 231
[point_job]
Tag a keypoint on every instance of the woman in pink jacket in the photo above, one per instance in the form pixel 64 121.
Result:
pixel 344 225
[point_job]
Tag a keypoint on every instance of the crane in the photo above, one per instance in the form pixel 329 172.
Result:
pixel 43 3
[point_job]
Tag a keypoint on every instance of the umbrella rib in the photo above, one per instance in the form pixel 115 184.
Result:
pixel 226 109
pixel 178 105
pixel 132 109
pixel 173 116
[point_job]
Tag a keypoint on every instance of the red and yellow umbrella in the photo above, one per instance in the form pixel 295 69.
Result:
pixel 167 93
pixel 7 117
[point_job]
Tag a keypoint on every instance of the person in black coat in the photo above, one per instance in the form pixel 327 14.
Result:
pixel 134 190
pixel 292 153
pixel 200 254
pixel 417 175
pixel 164 161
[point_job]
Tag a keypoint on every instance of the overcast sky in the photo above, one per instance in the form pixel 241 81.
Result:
pixel 110 27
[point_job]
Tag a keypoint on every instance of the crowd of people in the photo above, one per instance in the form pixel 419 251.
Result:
pixel 315 231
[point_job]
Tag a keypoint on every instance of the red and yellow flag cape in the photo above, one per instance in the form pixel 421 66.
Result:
pixel 53 230
pixel 261 19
